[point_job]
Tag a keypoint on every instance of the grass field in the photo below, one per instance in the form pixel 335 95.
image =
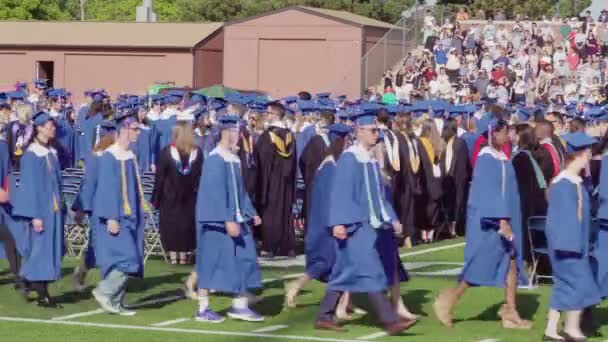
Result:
pixel 165 316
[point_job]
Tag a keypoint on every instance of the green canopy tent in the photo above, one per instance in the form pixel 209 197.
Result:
pixel 217 91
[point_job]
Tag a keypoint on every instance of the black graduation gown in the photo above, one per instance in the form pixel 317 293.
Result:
pixel 275 189
pixel 456 180
pixel 532 197
pixel 246 144
pixel 310 160
pixel 174 195
pixel 429 201
pixel 543 157
pixel 406 186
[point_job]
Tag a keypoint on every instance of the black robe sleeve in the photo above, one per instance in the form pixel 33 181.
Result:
pixel 160 176
pixel 263 154
pixel 310 160
pixel 461 174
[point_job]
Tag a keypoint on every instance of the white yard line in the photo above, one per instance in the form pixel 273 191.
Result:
pixel 372 336
pixel 174 330
pixel 270 328
pixel 78 315
pixel 489 340
pixel 167 323
pixel 431 250
pixel 287 277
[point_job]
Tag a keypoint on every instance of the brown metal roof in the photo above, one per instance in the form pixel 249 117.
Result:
pixel 351 17
pixel 341 16
pixel 114 34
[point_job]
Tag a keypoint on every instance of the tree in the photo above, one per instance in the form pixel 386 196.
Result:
pixel 32 10
pixel 565 7
pixel 124 10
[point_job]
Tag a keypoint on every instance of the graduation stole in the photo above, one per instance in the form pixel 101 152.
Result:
pixel 50 169
pixel 125 197
pixel 247 143
pixel 282 146
pixel 428 147
pixel 413 153
pixel 449 154
pixel 579 202
pixel 184 170
pixel 555 160
pixel 392 150
pixel 540 178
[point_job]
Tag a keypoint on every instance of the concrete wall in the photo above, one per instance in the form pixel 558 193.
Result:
pixel 290 51
pixel 117 70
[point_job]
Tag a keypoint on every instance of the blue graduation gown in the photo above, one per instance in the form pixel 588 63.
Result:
pixel 79 134
pixel 493 195
pixel 568 239
pixel 91 130
pixel 4 171
pixel 364 260
pixel 118 197
pixel 600 252
pixel 302 140
pixel 469 139
pixel 224 263
pixel 320 252
pixel 143 149
pixel 65 137
pixel 163 134
pixel 84 202
pixel 39 196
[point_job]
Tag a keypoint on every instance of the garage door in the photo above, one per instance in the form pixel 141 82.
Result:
pixel 15 67
pixel 289 66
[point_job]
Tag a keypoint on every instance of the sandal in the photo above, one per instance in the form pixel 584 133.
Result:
pixel 511 320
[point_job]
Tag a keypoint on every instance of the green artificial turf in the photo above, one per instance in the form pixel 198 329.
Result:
pixel 475 316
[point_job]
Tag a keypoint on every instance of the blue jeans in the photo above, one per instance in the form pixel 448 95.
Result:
pixel 114 286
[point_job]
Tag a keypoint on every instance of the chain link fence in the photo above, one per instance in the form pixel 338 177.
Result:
pixel 390 50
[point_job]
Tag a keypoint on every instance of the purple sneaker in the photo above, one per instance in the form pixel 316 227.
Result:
pixel 209 316
pixel 245 315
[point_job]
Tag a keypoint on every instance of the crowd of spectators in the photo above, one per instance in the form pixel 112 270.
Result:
pixel 522 61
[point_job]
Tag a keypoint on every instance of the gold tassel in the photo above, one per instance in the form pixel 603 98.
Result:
pixel 140 188
pixel 125 196
pixel 579 201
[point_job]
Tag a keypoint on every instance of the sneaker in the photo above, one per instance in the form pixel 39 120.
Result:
pixel 122 311
pixel 105 302
pixel 245 315
pixel 208 316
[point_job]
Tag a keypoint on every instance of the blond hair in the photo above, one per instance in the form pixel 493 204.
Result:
pixel 24 112
pixel 183 137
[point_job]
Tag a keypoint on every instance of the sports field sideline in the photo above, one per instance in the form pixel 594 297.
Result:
pixel 164 315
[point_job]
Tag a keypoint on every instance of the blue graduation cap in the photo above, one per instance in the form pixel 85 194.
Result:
pixel 108 126
pixel 41 83
pixel 290 99
pixel 338 130
pixel 343 114
pixel 485 123
pixel 41 117
pixel 98 96
pixel 16 95
pixel 125 117
pixel 21 86
pixel 365 118
pixel 578 141
pixel 229 121
pixel 173 99
pixel 392 109
pixel 216 104
pixel 199 112
pixel 323 95
pixel 307 106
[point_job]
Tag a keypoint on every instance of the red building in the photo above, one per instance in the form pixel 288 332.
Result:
pixel 300 48
pixel 118 57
